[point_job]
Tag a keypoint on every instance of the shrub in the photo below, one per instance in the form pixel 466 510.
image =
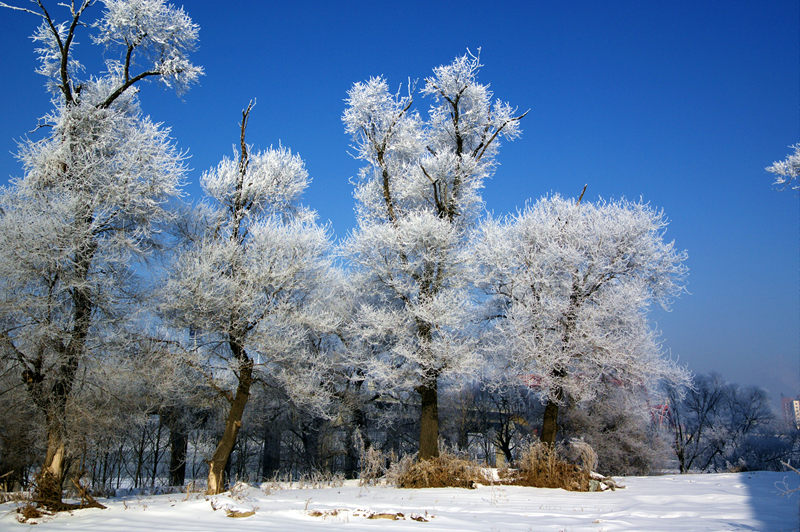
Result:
pixel 444 471
pixel 398 467
pixel 580 452
pixel 372 463
pixel 541 467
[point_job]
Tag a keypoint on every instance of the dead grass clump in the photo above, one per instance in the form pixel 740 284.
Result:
pixel 398 467
pixel 241 491
pixel 541 467
pixel 582 453
pixel 29 511
pixel 387 515
pixel 346 514
pixel 445 471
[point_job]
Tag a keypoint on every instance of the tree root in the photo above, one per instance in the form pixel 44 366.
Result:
pixel 48 496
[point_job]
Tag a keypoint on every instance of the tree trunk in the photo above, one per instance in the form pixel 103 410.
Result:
pixel 51 477
pixel 270 453
pixel 310 437
pixel 351 456
pixel 550 423
pixel 550 418
pixel 156 453
pixel 358 440
pixel 429 420
pixel 139 476
pixel 53 401
pixel 216 471
pixel 463 439
pixel 228 465
pixel 503 439
pixel 178 446
pixel 680 450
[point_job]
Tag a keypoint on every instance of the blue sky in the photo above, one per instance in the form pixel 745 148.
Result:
pixel 680 103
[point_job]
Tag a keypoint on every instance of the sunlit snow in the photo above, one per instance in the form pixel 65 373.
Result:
pixel 728 501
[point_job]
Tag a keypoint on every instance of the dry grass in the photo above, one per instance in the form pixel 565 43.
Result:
pixel 347 513
pixel 579 451
pixel 320 479
pixel 29 511
pixel 373 466
pixel 398 467
pixel 542 467
pixel 445 471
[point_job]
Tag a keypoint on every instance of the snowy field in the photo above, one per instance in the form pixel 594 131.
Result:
pixel 731 501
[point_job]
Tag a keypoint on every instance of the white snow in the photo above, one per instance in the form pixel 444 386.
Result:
pixel 729 501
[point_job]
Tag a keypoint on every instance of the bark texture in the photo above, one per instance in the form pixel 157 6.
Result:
pixel 178 445
pixel 550 423
pixel 429 421
pixel 216 470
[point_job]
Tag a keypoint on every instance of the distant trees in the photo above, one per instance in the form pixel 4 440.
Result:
pixel 787 171
pixel 719 425
pixel 693 418
pixel 92 195
pixel 569 286
pixel 20 436
pixel 418 198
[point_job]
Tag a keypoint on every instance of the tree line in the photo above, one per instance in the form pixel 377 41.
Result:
pixel 136 327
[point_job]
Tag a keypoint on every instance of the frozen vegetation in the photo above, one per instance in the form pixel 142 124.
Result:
pixel 146 341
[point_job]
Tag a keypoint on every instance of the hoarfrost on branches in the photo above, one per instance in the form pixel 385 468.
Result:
pixel 163 34
pixel 276 178
pixel 417 200
pixel 787 171
pixel 92 197
pixel 150 34
pixel 256 287
pixel 569 286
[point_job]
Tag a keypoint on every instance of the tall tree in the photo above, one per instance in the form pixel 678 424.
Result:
pixel 254 286
pixel 418 198
pixel 569 286
pixel 92 195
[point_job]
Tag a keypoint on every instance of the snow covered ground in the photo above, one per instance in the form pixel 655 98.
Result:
pixel 730 501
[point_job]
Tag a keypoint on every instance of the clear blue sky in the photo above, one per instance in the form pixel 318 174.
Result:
pixel 681 103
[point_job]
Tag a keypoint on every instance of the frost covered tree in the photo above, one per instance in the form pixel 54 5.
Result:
pixel 91 197
pixel 787 171
pixel 569 286
pixel 418 198
pixel 255 287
